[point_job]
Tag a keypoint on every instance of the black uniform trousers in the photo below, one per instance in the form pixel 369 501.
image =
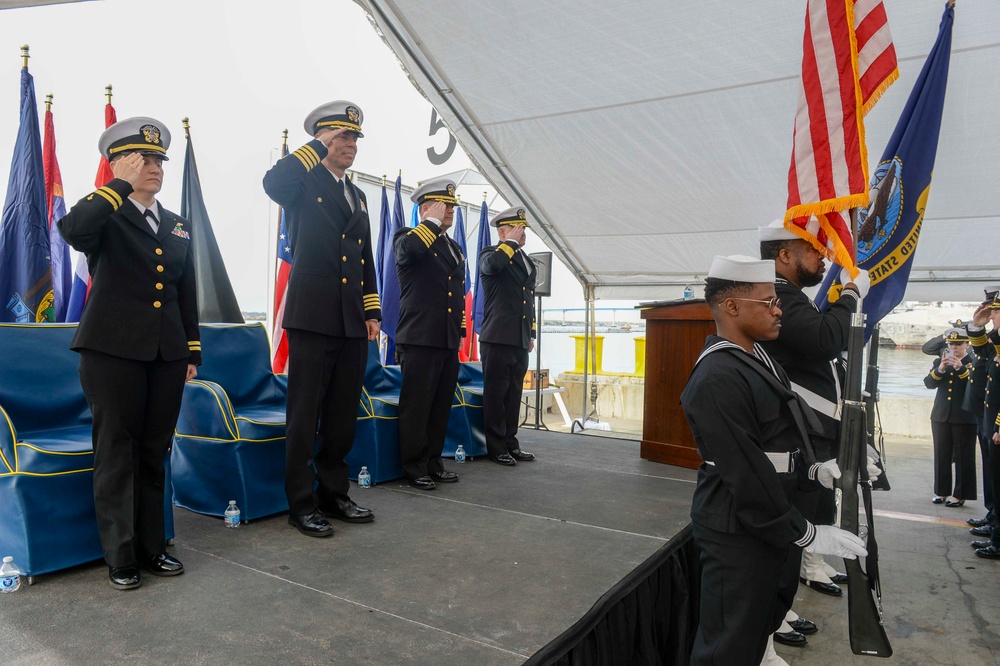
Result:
pixel 135 406
pixel 430 375
pixel 954 442
pixel 986 454
pixel 503 379
pixel 325 376
pixel 746 583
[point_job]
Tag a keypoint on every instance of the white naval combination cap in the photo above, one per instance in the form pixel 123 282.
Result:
pixel 741 268
pixel 775 231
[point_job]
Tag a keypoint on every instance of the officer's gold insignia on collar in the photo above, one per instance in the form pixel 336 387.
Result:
pixel 151 133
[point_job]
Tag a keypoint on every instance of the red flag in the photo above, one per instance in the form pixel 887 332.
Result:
pixel 279 362
pixel 829 168
pixel 62 267
pixel 104 173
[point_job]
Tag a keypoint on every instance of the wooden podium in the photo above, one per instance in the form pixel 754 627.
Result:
pixel 675 336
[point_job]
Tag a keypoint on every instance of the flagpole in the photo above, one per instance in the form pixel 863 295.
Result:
pixel 107 92
pixel 283 151
pixel 24 56
pixel 48 102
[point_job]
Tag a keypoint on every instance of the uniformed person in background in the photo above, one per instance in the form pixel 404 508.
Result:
pixel 332 312
pixel 809 348
pixel 975 395
pixel 507 334
pixel 987 345
pixel 952 427
pixel 138 341
pixel 743 517
pixel 431 271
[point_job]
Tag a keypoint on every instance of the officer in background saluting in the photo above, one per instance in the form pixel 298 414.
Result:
pixel 138 342
pixel 431 271
pixel 507 335
pixel 332 311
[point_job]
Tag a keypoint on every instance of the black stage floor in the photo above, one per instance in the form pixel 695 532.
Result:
pixel 485 571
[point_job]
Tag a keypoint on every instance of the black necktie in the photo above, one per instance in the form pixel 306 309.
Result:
pixel 347 194
pixel 153 222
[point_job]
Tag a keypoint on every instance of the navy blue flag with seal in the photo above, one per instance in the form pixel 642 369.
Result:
pixel 889 227
pixel 26 294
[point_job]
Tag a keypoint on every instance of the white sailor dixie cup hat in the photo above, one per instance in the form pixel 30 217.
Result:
pixel 335 115
pixel 439 189
pixel 515 216
pixel 146 136
pixel 775 231
pixel 741 268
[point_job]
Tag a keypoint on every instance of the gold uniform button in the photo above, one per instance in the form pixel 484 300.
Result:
pixel 524 302
pixel 319 199
pixel 159 251
pixel 449 293
pixel 362 283
pixel 344 258
pixel 344 280
pixel 359 241
pixel 159 269
pixel 524 316
pixel 523 288
pixel 449 277
pixel 449 309
pixel 159 286
pixel 156 304
pixel 362 262
pixel 343 235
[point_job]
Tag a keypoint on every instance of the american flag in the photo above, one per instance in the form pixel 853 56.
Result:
pixel 279 362
pixel 848 61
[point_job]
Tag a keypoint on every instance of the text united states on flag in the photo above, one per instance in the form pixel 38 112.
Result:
pixel 848 61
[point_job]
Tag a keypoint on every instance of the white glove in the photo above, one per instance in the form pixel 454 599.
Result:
pixel 825 473
pixel 830 540
pixel 873 470
pixel 863 281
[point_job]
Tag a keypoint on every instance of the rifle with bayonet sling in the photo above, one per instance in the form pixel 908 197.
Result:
pixel 873 425
pixel 864 608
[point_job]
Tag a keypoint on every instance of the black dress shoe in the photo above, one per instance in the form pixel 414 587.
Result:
pixel 804 626
pixel 347 511
pixel 978 522
pixel 982 530
pixel 124 578
pixel 826 588
pixel 793 638
pixel 521 456
pixel 937 500
pixel 503 459
pixel 840 578
pixel 990 552
pixel 162 565
pixel 311 524
pixel 445 477
pixel 981 544
pixel 422 482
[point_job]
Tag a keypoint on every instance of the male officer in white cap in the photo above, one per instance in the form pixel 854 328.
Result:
pixel 431 271
pixel 138 342
pixel 809 348
pixel 739 405
pixel 332 312
pixel 974 402
pixel 507 334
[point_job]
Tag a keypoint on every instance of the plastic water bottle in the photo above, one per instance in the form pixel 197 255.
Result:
pixel 232 514
pixel 10 576
pixel 364 478
pixel 460 454
pixel 688 293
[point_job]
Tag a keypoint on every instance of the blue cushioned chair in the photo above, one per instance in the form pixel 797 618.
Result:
pixel 376 439
pixel 47 517
pixel 230 442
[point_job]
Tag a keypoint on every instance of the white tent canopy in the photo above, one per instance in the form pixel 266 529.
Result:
pixel 647 136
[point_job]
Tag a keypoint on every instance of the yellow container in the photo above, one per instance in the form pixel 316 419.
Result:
pixel 640 356
pixel 581 345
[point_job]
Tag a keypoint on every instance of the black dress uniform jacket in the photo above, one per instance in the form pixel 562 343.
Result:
pixel 331 288
pixel 809 347
pixel 509 289
pixel 143 296
pixel 951 386
pixel 988 347
pixel 431 269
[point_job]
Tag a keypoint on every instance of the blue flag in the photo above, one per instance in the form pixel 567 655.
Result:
pixel 889 228
pixel 414 216
pixel 478 297
pixel 383 229
pixel 26 293
pixel 459 235
pixel 390 280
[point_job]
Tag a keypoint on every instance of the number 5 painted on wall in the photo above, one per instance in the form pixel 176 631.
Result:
pixel 436 125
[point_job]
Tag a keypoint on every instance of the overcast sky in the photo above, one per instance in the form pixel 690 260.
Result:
pixel 242 72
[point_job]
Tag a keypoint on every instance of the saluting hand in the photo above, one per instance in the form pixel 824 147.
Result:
pixel 328 135
pixel 517 234
pixel 438 210
pixel 128 167
pixel 981 315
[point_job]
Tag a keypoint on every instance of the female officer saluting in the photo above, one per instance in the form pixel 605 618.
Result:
pixel 138 342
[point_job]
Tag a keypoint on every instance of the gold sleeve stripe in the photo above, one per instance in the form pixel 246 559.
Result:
pixel 311 152
pixel 309 155
pixel 978 340
pixel 117 197
pixel 426 234
pixel 997 347
pixel 111 201
pixel 935 375
pixel 506 249
pixel 963 375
